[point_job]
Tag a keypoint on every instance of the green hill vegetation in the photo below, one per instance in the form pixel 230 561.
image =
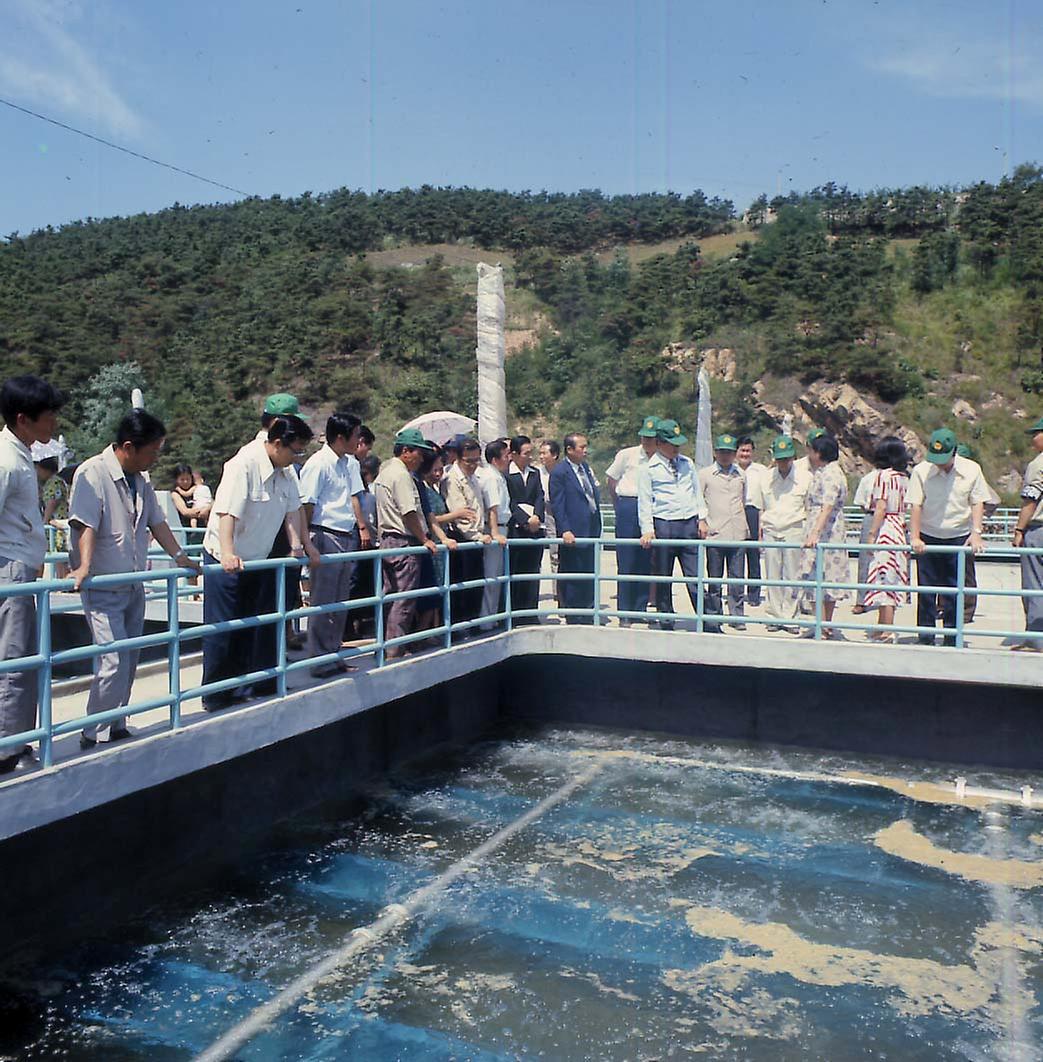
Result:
pixel 917 297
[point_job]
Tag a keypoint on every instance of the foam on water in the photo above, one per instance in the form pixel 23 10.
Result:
pixel 666 908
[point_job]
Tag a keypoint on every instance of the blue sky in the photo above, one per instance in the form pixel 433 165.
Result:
pixel 734 98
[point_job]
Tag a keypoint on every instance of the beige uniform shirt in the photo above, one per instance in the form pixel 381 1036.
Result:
pixel 725 496
pixel 465 492
pixel 101 499
pixel 1032 488
pixel 22 535
pixel 785 502
pixel 397 496
pixel 946 498
pixel 259 496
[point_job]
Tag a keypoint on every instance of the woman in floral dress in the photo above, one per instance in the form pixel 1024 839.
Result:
pixel 888 569
pixel 825 523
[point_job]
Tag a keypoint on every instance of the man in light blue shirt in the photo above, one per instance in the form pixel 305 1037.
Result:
pixel 670 505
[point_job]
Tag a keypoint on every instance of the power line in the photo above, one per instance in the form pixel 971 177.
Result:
pixel 119 147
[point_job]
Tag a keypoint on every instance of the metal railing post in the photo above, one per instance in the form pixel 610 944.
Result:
pixel 174 652
pixel 597 583
pixel 378 616
pixel 819 566
pixel 447 606
pixel 700 588
pixel 961 583
pixel 507 584
pixel 43 674
pixel 280 634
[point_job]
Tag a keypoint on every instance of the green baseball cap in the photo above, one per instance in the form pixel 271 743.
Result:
pixel 941 447
pixel 649 428
pixel 413 437
pixel 813 434
pixel 670 431
pixel 726 442
pixel 783 447
pixel 1033 428
pixel 281 405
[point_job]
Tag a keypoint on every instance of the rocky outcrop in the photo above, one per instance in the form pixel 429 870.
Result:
pixel 964 410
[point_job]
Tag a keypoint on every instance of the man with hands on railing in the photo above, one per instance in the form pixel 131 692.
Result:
pixel 498 505
pixel 112 510
pixel 670 505
pixel 258 494
pixel 464 495
pixel 29 407
pixel 1028 533
pixel 576 504
pixel 947 495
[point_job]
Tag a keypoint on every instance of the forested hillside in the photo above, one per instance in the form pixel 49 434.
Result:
pixel 919 298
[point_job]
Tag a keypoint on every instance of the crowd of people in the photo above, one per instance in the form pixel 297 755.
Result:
pixel 280 496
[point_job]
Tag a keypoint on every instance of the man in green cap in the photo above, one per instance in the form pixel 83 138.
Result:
pixel 947 495
pixel 622 487
pixel 782 520
pixel 671 507
pixel 724 488
pixel 1028 534
pixel 400 517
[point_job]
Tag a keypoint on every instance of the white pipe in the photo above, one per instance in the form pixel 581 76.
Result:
pixel 393 916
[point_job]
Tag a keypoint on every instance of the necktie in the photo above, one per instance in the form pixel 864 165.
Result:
pixel 588 489
pixel 673 466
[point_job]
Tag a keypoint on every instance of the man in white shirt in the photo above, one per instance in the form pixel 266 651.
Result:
pixel 756 479
pixel 464 493
pixel 622 477
pixel 331 489
pixel 947 495
pixel 782 520
pixel 29 407
pixel 1028 534
pixel 112 511
pixel 257 492
pixel 550 455
pixel 493 478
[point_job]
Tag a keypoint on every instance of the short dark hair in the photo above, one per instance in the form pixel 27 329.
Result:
pixel 469 445
pixel 181 470
pixel 366 436
pixel 570 439
pixel 430 457
pixel 370 465
pixel 140 428
pixel 30 396
pixel 891 452
pixel 518 441
pixel 553 445
pixel 288 428
pixel 341 424
pixel 495 450
pixel 826 447
pixel 745 440
pixel 50 463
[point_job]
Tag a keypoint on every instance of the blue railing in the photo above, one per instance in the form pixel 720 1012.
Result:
pixel 170 584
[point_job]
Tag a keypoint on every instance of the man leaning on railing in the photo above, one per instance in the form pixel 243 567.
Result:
pixel 111 512
pixel 29 407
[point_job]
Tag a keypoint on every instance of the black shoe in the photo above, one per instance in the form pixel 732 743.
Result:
pixel 267 688
pixel 87 742
pixel 9 763
pixel 218 701
pixel 120 734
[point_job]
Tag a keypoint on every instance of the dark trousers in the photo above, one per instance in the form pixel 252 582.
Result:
pixel 716 559
pixel 937 569
pixel 400 574
pixel 577 593
pixel 752 556
pixel 465 565
pixel 525 560
pixel 292 573
pixel 663 558
pixel 238 595
pixel 631 560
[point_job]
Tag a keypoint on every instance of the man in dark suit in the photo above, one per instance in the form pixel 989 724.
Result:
pixel 576 504
pixel 528 510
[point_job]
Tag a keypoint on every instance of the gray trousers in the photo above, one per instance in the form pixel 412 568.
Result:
pixel 17 639
pixel 111 615
pixel 1032 579
pixel 329 583
pixel 492 568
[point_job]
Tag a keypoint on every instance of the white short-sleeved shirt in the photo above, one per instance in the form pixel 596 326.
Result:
pixel 864 490
pixel 259 496
pixel 495 492
pixel 328 483
pixel 946 498
pixel 22 535
pixel 624 470
pixel 102 499
pixel 1032 487
pixel 785 502
pixel 756 481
